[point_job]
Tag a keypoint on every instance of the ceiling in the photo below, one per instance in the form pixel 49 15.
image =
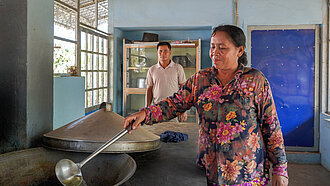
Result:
pixel 65 12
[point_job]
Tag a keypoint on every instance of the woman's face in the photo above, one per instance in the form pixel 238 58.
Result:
pixel 223 53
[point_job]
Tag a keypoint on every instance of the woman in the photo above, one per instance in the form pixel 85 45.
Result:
pixel 239 131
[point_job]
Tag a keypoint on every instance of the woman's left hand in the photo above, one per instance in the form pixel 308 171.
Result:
pixel 278 180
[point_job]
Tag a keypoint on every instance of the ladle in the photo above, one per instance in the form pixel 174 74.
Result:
pixel 69 173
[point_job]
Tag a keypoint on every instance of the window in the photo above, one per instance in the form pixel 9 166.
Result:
pixel 94 67
pixel 65 31
pixel 84 45
pixel 94 13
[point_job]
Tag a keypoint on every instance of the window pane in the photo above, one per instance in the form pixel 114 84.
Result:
pixel 105 95
pixel 101 96
pixel 101 45
pixel 89 42
pixel 105 45
pixel 106 79
pixel 96 97
pixel 64 55
pixel 90 62
pixel 83 60
pixel 96 44
pixel 101 62
pixel 90 98
pixel 105 63
pixel 101 79
pixel 86 100
pixel 103 16
pixel 83 38
pixel 95 62
pixel 87 12
pixel 64 22
pixel 89 80
pixel 95 80
pixel 72 3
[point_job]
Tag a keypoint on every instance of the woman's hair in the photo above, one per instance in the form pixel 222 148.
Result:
pixel 237 37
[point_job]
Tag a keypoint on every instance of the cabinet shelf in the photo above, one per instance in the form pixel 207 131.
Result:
pixel 137 68
pixel 140 56
pixel 135 91
pixel 146 68
pixel 154 44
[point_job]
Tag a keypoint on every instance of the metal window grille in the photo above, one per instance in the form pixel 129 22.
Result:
pixel 95 67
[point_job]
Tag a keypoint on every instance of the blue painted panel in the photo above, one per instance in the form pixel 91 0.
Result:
pixel 69 100
pixel 286 57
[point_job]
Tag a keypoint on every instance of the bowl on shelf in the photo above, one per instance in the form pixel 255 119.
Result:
pixel 182 60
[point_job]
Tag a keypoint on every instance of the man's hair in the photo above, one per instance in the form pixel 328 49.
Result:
pixel 164 44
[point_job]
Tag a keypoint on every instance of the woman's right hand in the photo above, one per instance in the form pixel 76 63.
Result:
pixel 136 119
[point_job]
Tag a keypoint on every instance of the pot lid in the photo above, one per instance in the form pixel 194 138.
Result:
pixel 88 133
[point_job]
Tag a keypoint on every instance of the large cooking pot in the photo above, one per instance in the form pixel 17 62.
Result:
pixel 88 133
pixel 36 166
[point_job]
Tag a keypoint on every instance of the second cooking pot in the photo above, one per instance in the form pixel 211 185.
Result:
pixel 141 82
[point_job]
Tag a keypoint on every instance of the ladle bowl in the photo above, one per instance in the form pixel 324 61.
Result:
pixel 68 172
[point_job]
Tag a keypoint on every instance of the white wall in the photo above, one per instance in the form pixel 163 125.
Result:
pixel 157 13
pixel 281 12
pixel 160 13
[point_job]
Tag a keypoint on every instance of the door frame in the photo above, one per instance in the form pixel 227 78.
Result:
pixel 251 28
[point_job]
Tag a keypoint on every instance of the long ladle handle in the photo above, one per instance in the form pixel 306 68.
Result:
pixel 105 145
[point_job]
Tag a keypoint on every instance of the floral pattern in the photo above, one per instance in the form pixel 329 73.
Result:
pixel 253 142
pixel 224 134
pixel 230 170
pixel 276 140
pixel 239 131
pixel 231 115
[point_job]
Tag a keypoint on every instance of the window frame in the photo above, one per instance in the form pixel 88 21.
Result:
pixel 81 27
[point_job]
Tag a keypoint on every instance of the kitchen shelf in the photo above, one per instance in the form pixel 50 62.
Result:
pixel 140 56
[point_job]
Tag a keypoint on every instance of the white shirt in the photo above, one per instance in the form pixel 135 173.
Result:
pixel 166 81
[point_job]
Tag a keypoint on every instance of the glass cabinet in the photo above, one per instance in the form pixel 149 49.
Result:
pixel 140 56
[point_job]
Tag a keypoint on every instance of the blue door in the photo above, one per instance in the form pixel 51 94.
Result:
pixel 287 58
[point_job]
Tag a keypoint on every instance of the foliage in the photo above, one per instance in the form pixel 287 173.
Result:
pixel 62 59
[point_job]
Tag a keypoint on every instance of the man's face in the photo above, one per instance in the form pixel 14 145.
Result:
pixel 164 53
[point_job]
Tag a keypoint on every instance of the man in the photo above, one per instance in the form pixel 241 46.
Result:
pixel 164 78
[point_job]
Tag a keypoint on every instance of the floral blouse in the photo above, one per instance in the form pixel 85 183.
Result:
pixel 239 131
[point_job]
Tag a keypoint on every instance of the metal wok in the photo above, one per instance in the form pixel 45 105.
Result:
pixel 36 166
